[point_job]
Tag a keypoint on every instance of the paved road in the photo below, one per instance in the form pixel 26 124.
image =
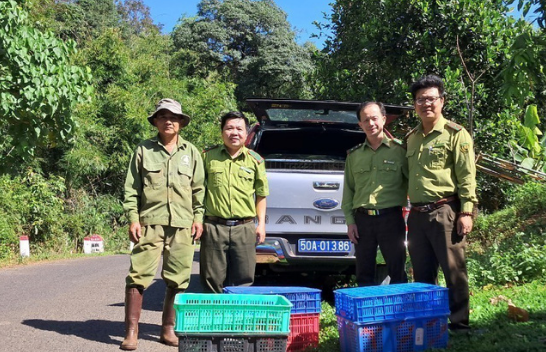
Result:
pixel 76 305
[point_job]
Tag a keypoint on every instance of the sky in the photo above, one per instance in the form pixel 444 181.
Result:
pixel 301 14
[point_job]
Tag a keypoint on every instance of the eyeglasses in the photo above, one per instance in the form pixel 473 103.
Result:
pixel 422 101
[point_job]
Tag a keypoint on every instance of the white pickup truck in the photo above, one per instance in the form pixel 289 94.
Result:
pixel 304 144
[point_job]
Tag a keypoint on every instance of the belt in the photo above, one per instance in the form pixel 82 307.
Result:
pixel 378 212
pixel 425 208
pixel 229 222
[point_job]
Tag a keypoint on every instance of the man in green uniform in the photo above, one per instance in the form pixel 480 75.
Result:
pixel 164 193
pixel 442 191
pixel 374 192
pixel 236 190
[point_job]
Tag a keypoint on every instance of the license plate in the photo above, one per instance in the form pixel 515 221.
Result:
pixel 324 246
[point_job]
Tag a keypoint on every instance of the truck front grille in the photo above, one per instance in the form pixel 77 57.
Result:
pixel 305 165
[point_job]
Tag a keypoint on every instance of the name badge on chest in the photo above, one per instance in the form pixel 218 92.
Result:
pixel 185 160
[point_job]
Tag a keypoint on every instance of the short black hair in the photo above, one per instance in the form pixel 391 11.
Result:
pixel 234 115
pixel 428 81
pixel 366 104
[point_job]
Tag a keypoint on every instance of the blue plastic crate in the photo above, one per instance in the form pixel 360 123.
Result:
pixel 407 335
pixel 391 302
pixel 303 299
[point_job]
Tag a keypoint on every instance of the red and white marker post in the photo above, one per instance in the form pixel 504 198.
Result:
pixel 24 247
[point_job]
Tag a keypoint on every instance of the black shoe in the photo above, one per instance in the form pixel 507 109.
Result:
pixel 458 328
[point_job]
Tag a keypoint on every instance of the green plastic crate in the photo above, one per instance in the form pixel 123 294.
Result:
pixel 235 313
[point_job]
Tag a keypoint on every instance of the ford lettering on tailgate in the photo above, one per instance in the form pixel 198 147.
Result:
pixel 323 246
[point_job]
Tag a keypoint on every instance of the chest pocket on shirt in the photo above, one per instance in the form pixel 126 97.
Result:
pixel 154 176
pixel 362 174
pixel 436 156
pixel 246 177
pixel 388 172
pixel 215 177
pixel 184 175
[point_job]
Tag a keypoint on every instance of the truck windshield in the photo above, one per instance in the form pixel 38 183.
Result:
pixel 321 115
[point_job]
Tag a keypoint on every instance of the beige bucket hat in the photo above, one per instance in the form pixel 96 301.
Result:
pixel 174 107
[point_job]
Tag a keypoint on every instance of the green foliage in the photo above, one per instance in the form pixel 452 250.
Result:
pixel 519 259
pixel 29 205
pixel 329 334
pixel 249 42
pixel 39 86
pixel 103 215
pixel 38 207
pixel 523 202
pixel 402 40
pixel 64 18
pixel 107 57
pixel 98 14
pixel 503 249
pixel 135 17
pixel 529 199
pixel 529 150
pixel 523 74
pixel 538 7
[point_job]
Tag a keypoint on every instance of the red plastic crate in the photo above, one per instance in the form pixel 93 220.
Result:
pixel 304 332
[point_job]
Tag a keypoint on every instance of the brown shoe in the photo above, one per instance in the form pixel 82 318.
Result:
pixel 133 307
pixel 168 337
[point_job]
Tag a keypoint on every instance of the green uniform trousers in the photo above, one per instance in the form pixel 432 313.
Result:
pixel 389 232
pixel 227 256
pixel 433 241
pixel 176 245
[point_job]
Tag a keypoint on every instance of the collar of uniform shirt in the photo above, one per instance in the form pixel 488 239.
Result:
pixel 384 141
pixel 438 126
pixel 181 143
pixel 241 151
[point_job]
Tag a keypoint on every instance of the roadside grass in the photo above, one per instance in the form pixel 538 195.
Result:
pixel 492 329
pixel 37 257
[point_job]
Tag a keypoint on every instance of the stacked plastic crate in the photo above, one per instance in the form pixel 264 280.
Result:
pixel 392 318
pixel 305 313
pixel 235 323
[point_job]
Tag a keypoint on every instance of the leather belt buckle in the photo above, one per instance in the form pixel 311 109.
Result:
pixel 425 208
pixel 232 222
pixel 372 212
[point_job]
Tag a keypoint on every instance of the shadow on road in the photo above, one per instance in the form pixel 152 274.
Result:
pixel 112 332
pixel 95 330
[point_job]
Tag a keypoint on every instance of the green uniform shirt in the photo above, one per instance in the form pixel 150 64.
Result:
pixel 374 179
pixel 442 164
pixel 165 189
pixel 232 183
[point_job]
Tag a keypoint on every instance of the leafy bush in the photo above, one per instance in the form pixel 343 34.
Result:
pixel 529 199
pixel 509 246
pixel 36 206
pixel 524 202
pixel 86 215
pixel 30 205
pixel 519 259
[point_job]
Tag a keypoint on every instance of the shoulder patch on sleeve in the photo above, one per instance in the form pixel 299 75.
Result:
pixel 454 126
pixel 256 156
pixel 354 148
pixel 210 148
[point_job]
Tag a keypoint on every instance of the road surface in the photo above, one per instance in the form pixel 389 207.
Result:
pixel 76 305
